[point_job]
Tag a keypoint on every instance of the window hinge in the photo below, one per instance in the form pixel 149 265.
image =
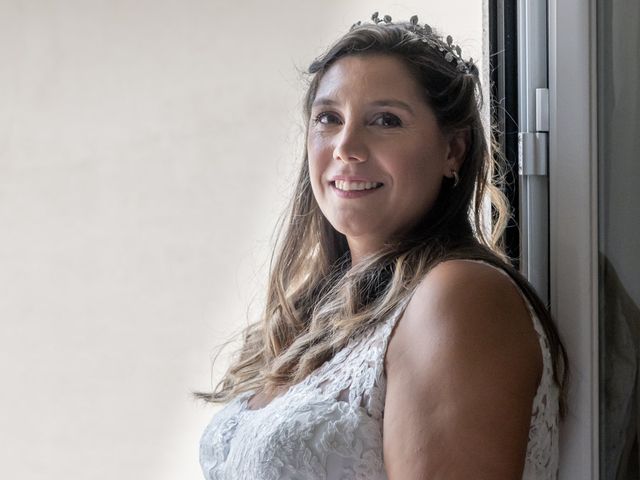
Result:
pixel 533 147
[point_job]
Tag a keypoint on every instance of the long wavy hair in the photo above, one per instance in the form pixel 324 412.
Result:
pixel 316 300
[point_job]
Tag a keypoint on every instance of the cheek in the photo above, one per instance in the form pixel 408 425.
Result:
pixel 312 162
pixel 418 179
pixel 417 169
pixel 315 183
pixel 318 161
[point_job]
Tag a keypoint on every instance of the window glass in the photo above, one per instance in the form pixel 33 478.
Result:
pixel 619 234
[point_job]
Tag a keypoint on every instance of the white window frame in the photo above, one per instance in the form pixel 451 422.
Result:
pixel 573 229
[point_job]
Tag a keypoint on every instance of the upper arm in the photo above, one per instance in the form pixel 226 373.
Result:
pixel 463 366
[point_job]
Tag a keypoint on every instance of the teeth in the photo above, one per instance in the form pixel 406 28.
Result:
pixel 350 186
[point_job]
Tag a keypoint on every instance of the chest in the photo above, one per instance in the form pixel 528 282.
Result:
pixel 329 426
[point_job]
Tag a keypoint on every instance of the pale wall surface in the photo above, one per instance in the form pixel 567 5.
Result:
pixel 146 151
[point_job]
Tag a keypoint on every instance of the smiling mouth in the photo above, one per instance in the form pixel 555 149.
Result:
pixel 355 186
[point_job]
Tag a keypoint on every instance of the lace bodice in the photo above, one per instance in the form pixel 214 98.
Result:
pixel 329 426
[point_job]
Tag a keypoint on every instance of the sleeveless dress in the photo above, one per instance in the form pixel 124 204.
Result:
pixel 329 426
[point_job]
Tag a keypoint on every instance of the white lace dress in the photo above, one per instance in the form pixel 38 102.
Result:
pixel 329 426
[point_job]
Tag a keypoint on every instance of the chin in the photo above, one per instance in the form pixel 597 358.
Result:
pixel 354 229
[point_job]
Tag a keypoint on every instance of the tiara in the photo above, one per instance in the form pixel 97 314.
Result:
pixel 451 52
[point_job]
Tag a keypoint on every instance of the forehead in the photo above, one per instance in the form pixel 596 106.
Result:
pixel 369 77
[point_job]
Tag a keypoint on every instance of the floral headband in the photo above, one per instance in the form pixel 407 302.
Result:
pixel 451 52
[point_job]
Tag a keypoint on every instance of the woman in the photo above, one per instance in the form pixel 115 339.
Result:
pixel 397 342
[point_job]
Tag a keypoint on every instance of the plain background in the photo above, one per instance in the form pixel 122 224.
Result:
pixel 147 149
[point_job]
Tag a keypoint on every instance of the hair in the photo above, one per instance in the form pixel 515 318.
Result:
pixel 316 300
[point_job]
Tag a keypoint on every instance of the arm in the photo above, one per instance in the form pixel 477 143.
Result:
pixel 463 366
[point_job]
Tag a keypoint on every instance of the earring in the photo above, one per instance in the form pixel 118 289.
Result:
pixel 456 178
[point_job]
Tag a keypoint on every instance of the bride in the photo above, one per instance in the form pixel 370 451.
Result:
pixel 397 341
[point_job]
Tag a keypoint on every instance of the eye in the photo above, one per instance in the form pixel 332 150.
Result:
pixel 387 120
pixel 326 118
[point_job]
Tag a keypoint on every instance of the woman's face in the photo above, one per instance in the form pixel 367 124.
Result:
pixel 377 156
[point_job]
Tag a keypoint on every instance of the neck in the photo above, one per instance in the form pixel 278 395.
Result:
pixel 360 248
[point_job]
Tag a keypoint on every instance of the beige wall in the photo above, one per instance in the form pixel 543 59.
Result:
pixel 146 150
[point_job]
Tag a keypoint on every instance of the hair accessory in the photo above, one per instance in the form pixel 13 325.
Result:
pixel 451 52
pixel 456 178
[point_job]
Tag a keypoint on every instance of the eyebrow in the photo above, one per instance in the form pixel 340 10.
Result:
pixel 378 103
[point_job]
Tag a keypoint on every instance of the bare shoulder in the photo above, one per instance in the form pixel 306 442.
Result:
pixel 467 301
pixel 463 365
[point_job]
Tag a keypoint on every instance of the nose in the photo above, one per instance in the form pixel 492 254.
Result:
pixel 351 146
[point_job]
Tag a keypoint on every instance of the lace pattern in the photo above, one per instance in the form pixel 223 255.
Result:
pixel 329 426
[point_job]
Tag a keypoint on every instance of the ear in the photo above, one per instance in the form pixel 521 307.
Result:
pixel 458 143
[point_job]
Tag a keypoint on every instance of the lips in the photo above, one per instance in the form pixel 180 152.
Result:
pixel 351 186
pixel 351 183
